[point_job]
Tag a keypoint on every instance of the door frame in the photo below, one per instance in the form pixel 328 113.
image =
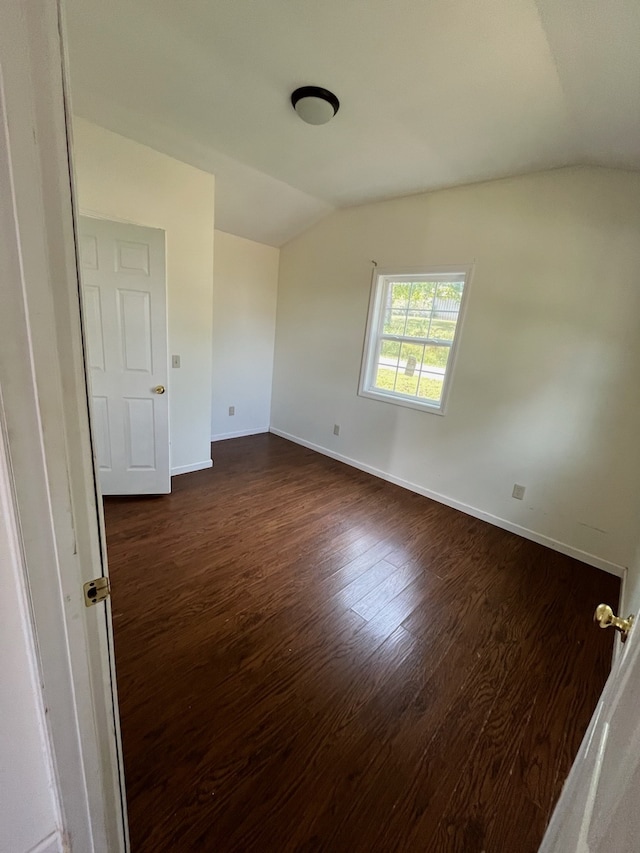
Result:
pixel 45 405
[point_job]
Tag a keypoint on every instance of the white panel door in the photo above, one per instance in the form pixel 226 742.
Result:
pixel 598 810
pixel 125 323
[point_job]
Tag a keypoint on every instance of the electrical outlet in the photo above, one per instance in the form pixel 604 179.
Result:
pixel 518 492
pixel 175 361
pixel 336 429
pixel 232 410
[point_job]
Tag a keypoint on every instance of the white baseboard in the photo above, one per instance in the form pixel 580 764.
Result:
pixel 223 436
pixel 51 844
pixel 525 532
pixel 195 466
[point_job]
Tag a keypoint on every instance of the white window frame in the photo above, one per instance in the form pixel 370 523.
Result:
pixel 374 333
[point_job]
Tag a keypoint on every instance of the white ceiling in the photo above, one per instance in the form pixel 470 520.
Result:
pixel 433 93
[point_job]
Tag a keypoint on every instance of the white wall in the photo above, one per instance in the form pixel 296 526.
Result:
pixel 123 180
pixel 29 813
pixel 244 320
pixel 546 391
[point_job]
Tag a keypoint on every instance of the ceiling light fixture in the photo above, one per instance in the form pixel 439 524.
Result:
pixel 315 105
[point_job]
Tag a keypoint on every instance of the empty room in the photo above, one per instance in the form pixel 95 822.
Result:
pixel 320 396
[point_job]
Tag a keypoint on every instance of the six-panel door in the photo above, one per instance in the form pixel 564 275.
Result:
pixel 125 322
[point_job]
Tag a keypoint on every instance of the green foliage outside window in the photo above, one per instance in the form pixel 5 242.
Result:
pixel 425 388
pixel 434 356
pixel 416 309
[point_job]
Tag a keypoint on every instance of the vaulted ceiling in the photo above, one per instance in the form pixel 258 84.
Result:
pixel 433 93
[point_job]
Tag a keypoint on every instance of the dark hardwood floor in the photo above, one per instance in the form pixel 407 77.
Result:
pixel 311 659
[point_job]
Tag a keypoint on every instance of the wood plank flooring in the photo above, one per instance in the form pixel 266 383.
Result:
pixel 311 659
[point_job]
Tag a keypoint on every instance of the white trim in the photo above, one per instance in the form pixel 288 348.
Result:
pixel 45 400
pixel 583 844
pixel 13 561
pixel 525 532
pixel 397 399
pixel 622 603
pixel 94 214
pixel 51 844
pixel 223 436
pixel 195 466
pixel 622 611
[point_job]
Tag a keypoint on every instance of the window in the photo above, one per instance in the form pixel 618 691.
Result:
pixel 412 332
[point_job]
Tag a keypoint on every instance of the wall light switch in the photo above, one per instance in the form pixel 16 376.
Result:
pixel 518 492
pixel 232 410
pixel 175 361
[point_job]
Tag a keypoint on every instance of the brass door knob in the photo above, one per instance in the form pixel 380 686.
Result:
pixel 605 617
pixel 159 389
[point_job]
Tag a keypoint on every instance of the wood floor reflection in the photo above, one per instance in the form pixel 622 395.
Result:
pixel 311 659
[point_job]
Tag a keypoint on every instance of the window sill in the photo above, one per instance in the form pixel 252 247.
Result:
pixel 407 402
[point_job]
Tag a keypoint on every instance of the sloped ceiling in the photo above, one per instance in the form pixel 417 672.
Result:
pixel 434 93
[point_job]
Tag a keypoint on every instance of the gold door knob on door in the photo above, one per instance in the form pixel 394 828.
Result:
pixel 605 617
pixel 159 389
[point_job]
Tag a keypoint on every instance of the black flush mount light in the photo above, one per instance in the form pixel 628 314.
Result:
pixel 315 105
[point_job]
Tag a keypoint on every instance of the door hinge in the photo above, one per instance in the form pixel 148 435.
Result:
pixel 96 591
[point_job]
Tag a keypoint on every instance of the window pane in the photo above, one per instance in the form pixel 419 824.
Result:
pixel 443 325
pixel 386 377
pixel 449 295
pixel 437 357
pixel 394 322
pixel 407 384
pixel 418 323
pixel 399 294
pixel 414 370
pixel 390 350
pixel 411 351
pixel 422 294
pixel 409 369
pixel 430 387
pixel 401 374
